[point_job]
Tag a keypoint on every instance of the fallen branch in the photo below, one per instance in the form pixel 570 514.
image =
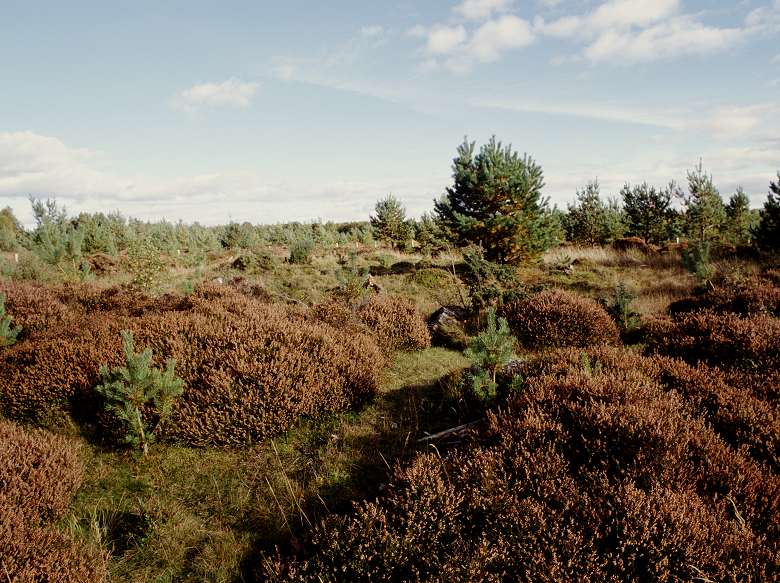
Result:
pixel 449 431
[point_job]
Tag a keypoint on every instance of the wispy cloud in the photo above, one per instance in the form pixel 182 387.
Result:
pixel 368 37
pixel 45 167
pixel 232 92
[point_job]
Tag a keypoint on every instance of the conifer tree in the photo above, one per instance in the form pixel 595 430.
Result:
pixel 740 222
pixel 768 231
pixel 649 212
pixel 128 389
pixel 706 214
pixel 496 202
pixel 390 223
pixel 592 222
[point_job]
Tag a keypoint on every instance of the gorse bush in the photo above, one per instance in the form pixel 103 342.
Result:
pixel 39 473
pixel 589 478
pixel 554 319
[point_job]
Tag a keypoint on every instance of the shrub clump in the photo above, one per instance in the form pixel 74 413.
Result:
pixel 396 323
pixel 39 473
pixel 555 319
pixel 601 477
pixel 251 369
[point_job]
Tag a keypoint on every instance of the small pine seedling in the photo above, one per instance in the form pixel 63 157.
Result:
pixel 492 348
pixel 7 334
pixel 353 282
pixel 128 389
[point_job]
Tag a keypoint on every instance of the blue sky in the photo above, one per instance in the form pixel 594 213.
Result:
pixel 279 111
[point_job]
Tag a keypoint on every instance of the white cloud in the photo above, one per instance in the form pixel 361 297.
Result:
pixel 615 31
pixel 445 39
pixel 46 168
pixel 481 9
pixel 729 124
pixel 628 31
pixel 677 37
pixel 233 92
pixel 486 44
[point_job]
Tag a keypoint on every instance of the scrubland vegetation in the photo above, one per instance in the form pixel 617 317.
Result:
pixel 291 403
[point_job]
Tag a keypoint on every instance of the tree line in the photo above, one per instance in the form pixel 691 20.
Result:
pixel 495 202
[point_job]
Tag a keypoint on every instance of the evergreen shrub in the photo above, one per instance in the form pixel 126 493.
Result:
pixel 396 323
pixel 554 319
pixel 301 250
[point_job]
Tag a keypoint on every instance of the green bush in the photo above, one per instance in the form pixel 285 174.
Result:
pixel 301 250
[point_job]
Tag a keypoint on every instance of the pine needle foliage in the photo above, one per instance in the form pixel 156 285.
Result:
pixel 618 306
pixel 492 348
pixel 697 261
pixel 352 283
pixel 496 201
pixel 7 334
pixel 128 389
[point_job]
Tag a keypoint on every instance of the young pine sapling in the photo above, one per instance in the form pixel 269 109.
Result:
pixel 128 389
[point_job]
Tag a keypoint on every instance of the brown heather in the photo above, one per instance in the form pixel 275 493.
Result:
pixel 577 478
pixel 746 349
pixel 396 323
pixel 760 301
pixel 250 369
pixel 39 472
pixel 554 319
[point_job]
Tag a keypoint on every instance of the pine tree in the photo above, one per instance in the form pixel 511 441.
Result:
pixel 353 283
pixel 740 222
pixel 128 389
pixel 649 212
pixel 592 222
pixel 706 214
pixel 390 223
pixel 768 231
pixel 492 348
pixel 496 203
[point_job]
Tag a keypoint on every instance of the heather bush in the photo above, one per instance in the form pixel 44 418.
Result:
pixel 396 323
pixel 251 369
pixel 746 349
pixel 39 473
pixel 588 478
pixel 554 318
pixel 746 302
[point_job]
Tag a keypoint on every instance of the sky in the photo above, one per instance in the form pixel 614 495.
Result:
pixel 301 111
